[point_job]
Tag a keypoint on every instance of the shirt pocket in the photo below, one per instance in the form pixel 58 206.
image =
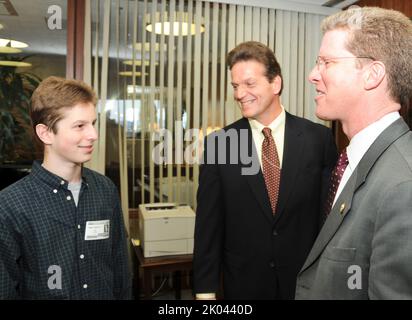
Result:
pixel 340 254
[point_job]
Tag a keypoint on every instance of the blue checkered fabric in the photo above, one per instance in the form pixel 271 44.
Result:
pixel 43 232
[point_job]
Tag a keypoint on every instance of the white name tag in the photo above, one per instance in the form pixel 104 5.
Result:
pixel 97 230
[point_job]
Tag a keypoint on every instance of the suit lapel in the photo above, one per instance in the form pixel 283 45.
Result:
pixel 358 177
pixel 256 181
pixel 293 148
pixel 334 220
pixel 292 153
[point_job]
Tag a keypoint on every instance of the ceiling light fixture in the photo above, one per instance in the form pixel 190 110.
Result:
pixel 181 24
pixel 138 62
pixel 9 63
pixel 9 50
pixel 12 43
pixel 130 73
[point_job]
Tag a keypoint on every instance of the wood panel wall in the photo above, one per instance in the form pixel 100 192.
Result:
pixel 75 39
pixel 404 6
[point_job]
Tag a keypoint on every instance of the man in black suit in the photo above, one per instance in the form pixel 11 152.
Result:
pixel 254 230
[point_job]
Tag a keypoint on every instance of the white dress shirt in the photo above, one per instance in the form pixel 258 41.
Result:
pixel 360 143
pixel 278 133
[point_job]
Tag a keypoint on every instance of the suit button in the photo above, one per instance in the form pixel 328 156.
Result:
pixel 275 233
pixel 272 264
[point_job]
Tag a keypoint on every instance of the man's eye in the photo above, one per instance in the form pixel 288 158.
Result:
pixel 80 126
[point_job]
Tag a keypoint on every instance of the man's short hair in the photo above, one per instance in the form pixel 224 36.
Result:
pixel 386 36
pixel 253 50
pixel 55 94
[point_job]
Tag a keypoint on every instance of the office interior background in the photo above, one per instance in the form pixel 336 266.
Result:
pixel 158 68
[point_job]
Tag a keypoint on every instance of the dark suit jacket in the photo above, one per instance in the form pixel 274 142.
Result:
pixel 260 254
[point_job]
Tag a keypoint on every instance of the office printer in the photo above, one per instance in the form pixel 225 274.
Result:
pixel 166 229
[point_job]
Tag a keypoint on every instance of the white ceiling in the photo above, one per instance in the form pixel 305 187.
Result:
pixel 30 25
pixel 335 4
pixel 322 2
pixel 311 6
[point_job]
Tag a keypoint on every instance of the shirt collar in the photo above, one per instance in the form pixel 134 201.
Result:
pixel 361 142
pixel 277 123
pixel 50 179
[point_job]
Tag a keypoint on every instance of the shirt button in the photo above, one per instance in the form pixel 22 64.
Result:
pixel 275 233
pixel 82 256
pixel 62 182
pixel 78 226
pixel 85 286
pixel 272 264
pixel 55 190
pixel 69 198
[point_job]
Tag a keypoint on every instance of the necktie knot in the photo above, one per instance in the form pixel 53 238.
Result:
pixel 336 177
pixel 343 158
pixel 267 132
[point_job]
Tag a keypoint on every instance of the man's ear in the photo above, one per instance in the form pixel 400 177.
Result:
pixel 44 134
pixel 374 75
pixel 277 85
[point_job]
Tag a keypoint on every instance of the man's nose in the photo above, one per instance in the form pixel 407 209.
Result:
pixel 239 93
pixel 92 134
pixel 314 75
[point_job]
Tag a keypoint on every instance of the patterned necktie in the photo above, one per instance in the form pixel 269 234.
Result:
pixel 270 167
pixel 335 179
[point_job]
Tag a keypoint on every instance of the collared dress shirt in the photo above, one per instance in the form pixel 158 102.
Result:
pixel 43 250
pixel 360 143
pixel 277 128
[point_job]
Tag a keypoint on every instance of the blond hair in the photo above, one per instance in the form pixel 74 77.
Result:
pixel 386 36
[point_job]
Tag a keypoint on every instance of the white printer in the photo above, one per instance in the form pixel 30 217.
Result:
pixel 166 229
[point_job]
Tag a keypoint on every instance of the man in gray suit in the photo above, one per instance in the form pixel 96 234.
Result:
pixel 363 77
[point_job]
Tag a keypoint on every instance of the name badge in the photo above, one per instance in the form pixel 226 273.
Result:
pixel 97 230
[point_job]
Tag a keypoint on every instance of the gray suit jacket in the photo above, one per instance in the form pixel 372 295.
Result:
pixel 364 250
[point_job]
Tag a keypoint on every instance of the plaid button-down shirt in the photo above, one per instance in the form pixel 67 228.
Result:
pixel 43 251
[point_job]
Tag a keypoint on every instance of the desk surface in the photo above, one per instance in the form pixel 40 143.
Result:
pixel 163 260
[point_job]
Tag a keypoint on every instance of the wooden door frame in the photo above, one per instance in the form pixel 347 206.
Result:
pixel 75 39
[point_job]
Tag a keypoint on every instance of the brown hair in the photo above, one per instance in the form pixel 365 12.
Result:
pixel 252 50
pixel 55 94
pixel 386 36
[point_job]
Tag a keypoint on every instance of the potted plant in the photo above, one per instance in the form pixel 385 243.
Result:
pixel 16 135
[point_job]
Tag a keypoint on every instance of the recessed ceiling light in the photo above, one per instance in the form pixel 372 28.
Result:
pixel 130 73
pixel 9 50
pixel 9 63
pixel 12 43
pixel 186 28
pixel 138 62
pixel 181 24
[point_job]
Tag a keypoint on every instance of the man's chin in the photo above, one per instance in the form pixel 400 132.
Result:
pixel 322 115
pixel 247 114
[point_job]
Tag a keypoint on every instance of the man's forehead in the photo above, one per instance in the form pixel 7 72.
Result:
pixel 78 111
pixel 333 41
